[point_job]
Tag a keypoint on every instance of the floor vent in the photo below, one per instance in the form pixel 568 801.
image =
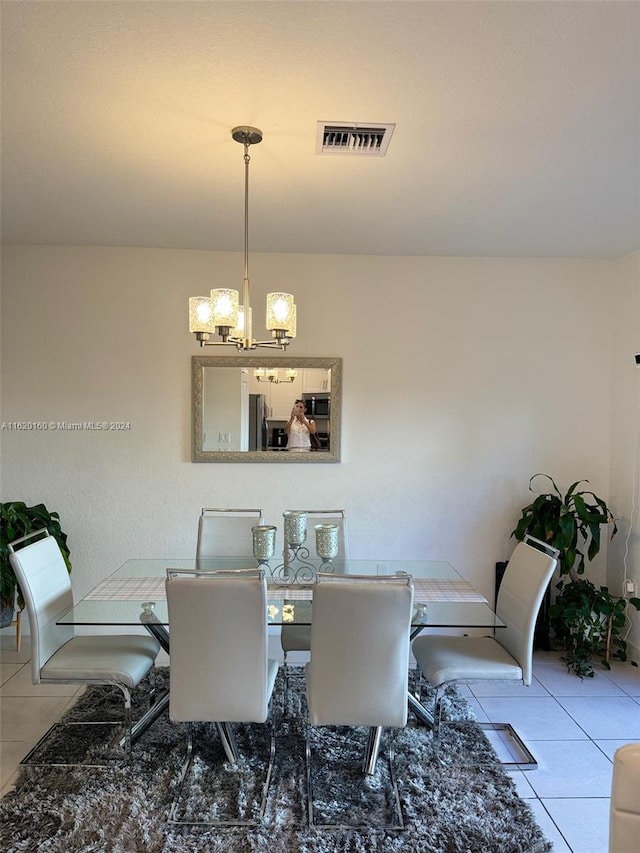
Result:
pixel 361 139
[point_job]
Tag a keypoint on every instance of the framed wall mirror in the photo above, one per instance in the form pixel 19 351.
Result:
pixel 241 405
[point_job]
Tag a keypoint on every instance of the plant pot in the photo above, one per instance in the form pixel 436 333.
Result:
pixel 6 613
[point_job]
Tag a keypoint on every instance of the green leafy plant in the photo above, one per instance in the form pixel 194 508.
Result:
pixel 568 522
pixel 16 520
pixel 587 621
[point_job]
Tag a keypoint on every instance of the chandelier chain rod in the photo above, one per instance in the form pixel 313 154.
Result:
pixel 247 159
pixel 246 299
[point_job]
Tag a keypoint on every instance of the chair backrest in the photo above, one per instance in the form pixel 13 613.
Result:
pixel 328 516
pixel 219 641
pixel 624 821
pixel 519 598
pixel 360 630
pixel 44 582
pixel 226 532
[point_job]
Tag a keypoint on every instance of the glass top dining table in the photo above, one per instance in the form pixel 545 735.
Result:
pixel 135 595
pixel 442 598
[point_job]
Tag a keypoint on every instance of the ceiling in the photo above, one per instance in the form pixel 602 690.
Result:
pixel 517 126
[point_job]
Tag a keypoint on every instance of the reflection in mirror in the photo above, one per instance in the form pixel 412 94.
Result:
pixel 241 406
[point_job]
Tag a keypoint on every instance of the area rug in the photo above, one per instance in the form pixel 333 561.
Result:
pixel 461 802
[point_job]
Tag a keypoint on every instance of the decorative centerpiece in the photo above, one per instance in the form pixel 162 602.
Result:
pixel 298 566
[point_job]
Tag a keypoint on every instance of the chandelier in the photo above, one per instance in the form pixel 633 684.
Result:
pixel 272 374
pixel 221 313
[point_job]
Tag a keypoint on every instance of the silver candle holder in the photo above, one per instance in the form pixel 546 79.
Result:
pixel 264 542
pixel 295 527
pixel 327 541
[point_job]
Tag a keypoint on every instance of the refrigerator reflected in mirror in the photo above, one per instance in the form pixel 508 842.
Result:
pixel 258 431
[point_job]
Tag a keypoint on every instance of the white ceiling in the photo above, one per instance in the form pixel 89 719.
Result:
pixel 517 125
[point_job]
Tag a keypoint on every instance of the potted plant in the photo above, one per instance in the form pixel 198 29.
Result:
pixel 16 520
pixel 567 522
pixel 585 618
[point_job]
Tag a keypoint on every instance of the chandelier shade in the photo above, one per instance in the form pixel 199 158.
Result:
pixel 279 311
pixel 200 314
pixel 242 329
pixel 222 312
pixel 224 307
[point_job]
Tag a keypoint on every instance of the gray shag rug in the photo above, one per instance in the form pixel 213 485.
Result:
pixel 464 802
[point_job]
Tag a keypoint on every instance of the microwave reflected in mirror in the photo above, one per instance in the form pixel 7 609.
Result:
pixel 241 407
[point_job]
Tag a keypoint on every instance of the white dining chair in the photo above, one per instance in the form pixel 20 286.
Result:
pixel 624 821
pixel 226 532
pixel 297 638
pixel 220 671
pixel 58 655
pixel 507 655
pixel 359 668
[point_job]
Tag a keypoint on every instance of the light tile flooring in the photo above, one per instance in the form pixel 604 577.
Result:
pixel 573 727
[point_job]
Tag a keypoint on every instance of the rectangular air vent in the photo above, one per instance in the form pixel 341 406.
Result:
pixel 361 139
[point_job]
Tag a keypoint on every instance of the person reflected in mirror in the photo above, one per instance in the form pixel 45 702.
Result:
pixel 299 428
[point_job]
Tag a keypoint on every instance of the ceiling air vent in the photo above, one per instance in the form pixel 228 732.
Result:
pixel 362 139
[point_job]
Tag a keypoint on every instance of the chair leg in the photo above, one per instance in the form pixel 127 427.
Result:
pixel 307 755
pixel 525 760
pixel 396 793
pixel 224 730
pixel 285 682
pixel 19 630
pixel 127 720
pixel 371 750
pixel 152 686
pixel 418 684
pixel 437 718
pixel 267 781
pixel 228 742
pixel 371 754
pixel 183 775
pixel 123 743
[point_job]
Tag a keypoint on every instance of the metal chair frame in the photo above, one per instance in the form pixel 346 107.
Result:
pixel 230 747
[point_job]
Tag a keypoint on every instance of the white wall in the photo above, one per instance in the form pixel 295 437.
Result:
pixel 462 378
pixel 224 387
pixel 624 553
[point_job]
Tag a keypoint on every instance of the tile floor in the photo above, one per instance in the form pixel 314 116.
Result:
pixel 573 727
